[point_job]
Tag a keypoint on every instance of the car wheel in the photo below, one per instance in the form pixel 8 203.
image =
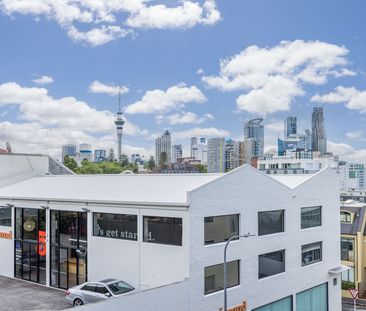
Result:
pixel 77 302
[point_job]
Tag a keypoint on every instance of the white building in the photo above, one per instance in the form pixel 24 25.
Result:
pixel 199 149
pixel 292 164
pixel 85 153
pixel 155 230
pixel 163 144
pixel 352 175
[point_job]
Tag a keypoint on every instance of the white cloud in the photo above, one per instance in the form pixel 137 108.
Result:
pixel 357 135
pixel 159 101
pixel 186 118
pixel 112 15
pixel 354 99
pixel 275 126
pixel 201 132
pixel 347 152
pixel 98 36
pixel 35 105
pixel 101 88
pixel 187 15
pixel 270 78
pixel 43 80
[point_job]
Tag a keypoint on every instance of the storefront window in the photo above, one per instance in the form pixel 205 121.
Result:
pixel 5 216
pixel 163 230
pixel 284 304
pixel 115 226
pixel 221 228
pixel 315 298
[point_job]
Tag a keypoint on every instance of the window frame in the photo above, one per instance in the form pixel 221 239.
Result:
pixel 11 216
pixel 347 215
pixel 217 216
pixel 116 238
pixel 272 275
pixel 283 222
pixel 238 261
pixel 321 217
pixel 161 243
pixel 312 262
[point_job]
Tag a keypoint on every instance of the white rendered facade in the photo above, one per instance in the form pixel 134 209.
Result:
pixel 193 198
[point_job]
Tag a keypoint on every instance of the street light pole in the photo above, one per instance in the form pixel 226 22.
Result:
pixel 225 267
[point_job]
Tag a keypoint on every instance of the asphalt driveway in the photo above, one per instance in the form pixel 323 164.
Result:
pixel 17 295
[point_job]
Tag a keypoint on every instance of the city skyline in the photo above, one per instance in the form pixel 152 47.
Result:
pixel 71 97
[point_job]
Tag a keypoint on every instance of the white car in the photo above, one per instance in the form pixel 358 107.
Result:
pixel 96 291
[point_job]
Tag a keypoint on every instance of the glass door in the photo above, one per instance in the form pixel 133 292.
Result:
pixel 30 245
pixel 68 248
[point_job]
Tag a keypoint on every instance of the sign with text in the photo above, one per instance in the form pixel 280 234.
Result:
pixel 42 243
pixel 6 235
pixel 353 292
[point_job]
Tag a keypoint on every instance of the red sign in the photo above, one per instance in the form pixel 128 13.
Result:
pixel 42 243
pixel 6 235
pixel 354 292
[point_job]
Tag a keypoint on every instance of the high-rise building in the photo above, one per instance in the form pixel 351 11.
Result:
pixel 119 126
pixel 136 158
pixel 290 126
pixel 246 151
pixel 230 162
pixel 352 175
pixel 319 139
pixel 163 144
pixel 199 149
pixel 100 155
pixel 253 129
pixel 69 150
pixel 177 152
pixel 216 155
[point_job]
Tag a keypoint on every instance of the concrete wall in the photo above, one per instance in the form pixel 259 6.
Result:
pixel 246 191
pixel 7 251
pixel 172 297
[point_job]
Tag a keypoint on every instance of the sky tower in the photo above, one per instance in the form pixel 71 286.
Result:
pixel 119 125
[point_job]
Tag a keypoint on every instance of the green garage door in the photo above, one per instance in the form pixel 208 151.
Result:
pixel 313 299
pixel 284 304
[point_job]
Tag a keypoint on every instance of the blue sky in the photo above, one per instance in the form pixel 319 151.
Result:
pixel 167 54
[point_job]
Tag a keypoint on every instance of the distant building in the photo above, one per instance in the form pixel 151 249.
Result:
pixel 177 152
pixel 230 156
pixel 216 155
pixel 298 162
pixel 69 150
pixel 319 139
pixel 199 149
pixel 253 129
pixel 85 152
pixel 100 155
pixel 163 144
pixel 137 158
pixel 352 175
pixel 290 126
pixel 353 194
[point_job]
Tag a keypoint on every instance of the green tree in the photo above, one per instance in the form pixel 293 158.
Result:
pixel 151 163
pixel 201 168
pixel 124 160
pixel 71 163
pixel 110 168
pixel 90 168
pixel 163 161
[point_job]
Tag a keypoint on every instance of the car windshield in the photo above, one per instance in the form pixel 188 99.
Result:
pixel 120 287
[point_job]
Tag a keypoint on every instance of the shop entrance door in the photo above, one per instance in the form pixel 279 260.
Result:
pixel 68 249
pixel 30 245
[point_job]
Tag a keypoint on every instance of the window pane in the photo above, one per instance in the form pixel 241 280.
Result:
pixel 270 222
pixel 30 224
pixel 214 276
pixel 115 226
pixel 311 253
pixel 345 217
pixel 5 216
pixel 18 223
pixel 68 228
pixel 347 249
pixel 311 217
pixel 221 228
pixel 271 264
pixel 163 230
pixel 313 299
pixel 284 304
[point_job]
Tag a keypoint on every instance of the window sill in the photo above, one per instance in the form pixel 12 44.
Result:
pixel 221 243
pixel 271 234
pixel 310 228
pixel 312 264
pixel 271 276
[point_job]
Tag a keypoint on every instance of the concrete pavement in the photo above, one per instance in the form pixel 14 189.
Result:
pixel 17 295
